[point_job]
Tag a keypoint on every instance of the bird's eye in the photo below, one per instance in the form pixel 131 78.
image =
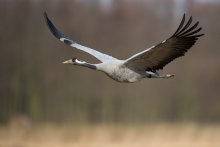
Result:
pixel 77 59
pixel 74 59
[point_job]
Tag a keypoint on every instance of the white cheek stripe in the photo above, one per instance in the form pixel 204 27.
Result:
pixel 80 62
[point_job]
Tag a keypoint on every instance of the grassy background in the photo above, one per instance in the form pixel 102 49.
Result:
pixel 150 135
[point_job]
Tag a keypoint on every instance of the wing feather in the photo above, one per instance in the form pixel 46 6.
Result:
pixel 102 57
pixel 186 26
pixel 158 56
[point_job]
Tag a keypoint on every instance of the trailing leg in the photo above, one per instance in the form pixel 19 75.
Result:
pixel 154 74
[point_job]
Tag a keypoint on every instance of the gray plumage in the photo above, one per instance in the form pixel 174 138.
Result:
pixel 141 65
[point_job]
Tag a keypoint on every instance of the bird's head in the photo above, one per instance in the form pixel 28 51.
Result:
pixel 74 61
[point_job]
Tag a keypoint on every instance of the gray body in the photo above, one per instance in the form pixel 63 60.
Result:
pixel 119 72
pixel 141 65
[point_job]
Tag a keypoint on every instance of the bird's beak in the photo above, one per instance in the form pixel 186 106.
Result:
pixel 68 62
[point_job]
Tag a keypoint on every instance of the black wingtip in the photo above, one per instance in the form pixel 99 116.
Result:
pixel 55 32
pixel 45 15
pixel 48 22
pixel 180 26
pixel 185 31
pixel 52 28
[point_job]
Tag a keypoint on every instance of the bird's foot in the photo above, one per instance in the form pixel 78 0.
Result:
pixel 168 76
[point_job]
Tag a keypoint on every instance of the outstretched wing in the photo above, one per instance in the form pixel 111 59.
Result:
pixel 102 57
pixel 158 56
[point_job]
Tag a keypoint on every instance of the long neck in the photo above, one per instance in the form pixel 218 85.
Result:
pixel 89 66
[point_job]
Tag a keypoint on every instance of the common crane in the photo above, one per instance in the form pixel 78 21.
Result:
pixel 141 65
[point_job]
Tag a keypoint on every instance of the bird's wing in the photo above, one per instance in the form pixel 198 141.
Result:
pixel 102 57
pixel 158 56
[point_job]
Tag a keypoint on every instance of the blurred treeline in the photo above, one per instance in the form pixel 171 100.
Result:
pixel 36 84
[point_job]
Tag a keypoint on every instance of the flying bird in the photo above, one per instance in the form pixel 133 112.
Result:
pixel 144 64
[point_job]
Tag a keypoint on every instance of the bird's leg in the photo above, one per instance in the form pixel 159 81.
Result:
pixel 167 76
pixel 151 74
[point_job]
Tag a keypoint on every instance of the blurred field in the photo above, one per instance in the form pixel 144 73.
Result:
pixel 157 135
